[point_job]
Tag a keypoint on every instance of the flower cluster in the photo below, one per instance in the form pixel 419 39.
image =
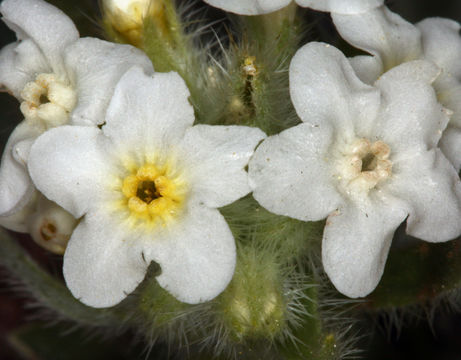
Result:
pixel 113 144
pixel 108 168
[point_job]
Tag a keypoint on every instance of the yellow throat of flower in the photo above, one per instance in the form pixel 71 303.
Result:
pixel 153 194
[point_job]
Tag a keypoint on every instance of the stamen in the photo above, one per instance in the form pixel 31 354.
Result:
pixel 147 191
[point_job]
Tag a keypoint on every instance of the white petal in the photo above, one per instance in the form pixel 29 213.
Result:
pixel 341 6
pixel 249 7
pixel 216 157
pixel 16 187
pixel 291 173
pixel 450 144
pixel 442 43
pixel 410 107
pixel 355 244
pixel 22 148
pixel 95 67
pixel 324 88
pixel 68 165
pixel 19 64
pixel 148 113
pixel 448 89
pixel 19 221
pixel 197 255
pixel 45 24
pixel 431 186
pixel 381 33
pixel 368 68
pixel 103 263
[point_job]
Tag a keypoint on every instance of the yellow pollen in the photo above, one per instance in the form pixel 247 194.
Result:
pixel 152 194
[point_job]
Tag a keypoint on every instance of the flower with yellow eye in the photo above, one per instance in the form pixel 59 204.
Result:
pixel 148 185
pixel 59 79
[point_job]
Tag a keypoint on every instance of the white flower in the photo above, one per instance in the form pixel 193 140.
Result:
pixel 58 78
pixel 257 7
pixel 392 41
pixel 365 158
pixel 148 185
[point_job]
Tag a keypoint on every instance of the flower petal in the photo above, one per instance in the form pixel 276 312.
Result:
pixel 102 263
pixel 324 88
pixel 19 221
pixel 197 255
pixel 19 64
pixel 96 66
pixel 431 186
pixel 450 144
pixel 368 68
pixel 45 24
pixel 148 113
pixel 356 241
pixel 291 175
pixel 16 187
pixel 408 94
pixel 68 165
pixel 249 7
pixel 448 89
pixel 216 157
pixel 341 6
pixel 442 43
pixel 381 33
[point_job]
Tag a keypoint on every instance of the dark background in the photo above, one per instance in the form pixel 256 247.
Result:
pixel 415 338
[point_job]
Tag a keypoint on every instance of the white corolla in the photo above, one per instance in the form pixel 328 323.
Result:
pixel 392 41
pixel 148 185
pixel 59 79
pixel 258 7
pixel 365 158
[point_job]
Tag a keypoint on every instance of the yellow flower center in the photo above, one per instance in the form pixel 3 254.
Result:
pixel 154 194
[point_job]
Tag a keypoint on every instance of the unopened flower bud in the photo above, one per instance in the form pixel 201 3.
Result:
pixel 51 226
pixel 126 16
pixel 253 303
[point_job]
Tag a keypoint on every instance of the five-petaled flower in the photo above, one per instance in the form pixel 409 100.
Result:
pixel 59 79
pixel 365 158
pixel 148 184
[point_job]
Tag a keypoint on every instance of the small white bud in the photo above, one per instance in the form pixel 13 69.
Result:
pixel 51 226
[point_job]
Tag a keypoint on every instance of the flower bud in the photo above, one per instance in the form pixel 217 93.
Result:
pixel 51 226
pixel 253 305
pixel 126 16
